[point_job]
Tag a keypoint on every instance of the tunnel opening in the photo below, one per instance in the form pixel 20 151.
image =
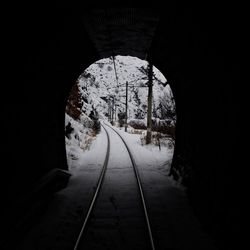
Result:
pixel 116 90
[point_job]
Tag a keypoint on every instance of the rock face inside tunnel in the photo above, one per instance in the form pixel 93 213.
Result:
pixel 197 51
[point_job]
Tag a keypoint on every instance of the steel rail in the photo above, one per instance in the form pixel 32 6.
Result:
pixel 100 181
pixel 140 188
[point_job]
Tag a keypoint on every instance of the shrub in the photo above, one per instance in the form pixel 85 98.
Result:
pixel 68 130
pixel 137 124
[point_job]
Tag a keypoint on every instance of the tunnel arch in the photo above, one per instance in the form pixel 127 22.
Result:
pixel 185 74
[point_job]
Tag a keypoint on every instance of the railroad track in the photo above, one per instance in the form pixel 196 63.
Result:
pixel 89 214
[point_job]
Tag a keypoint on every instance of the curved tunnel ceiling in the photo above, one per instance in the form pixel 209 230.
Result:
pixel 121 31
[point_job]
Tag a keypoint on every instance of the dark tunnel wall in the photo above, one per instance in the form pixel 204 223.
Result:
pixel 47 50
pixel 201 61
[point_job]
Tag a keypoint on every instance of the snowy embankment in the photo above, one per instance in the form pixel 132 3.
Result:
pixel 148 156
pixel 79 142
pixel 153 162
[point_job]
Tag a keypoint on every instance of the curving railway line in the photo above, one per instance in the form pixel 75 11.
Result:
pixel 117 217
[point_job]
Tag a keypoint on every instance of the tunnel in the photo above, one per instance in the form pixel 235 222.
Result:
pixel 195 46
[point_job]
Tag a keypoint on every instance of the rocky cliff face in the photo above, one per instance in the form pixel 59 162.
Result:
pixel 102 87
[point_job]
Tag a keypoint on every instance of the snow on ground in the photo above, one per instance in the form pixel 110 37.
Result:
pixel 87 149
pixel 148 155
pixel 150 160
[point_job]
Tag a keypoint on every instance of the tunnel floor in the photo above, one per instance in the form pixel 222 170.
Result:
pixel 173 223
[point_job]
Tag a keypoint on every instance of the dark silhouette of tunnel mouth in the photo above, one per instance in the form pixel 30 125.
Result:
pixel 195 51
pixel 119 31
pixel 108 88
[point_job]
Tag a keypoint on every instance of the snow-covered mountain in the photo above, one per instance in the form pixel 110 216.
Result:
pixel 103 84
